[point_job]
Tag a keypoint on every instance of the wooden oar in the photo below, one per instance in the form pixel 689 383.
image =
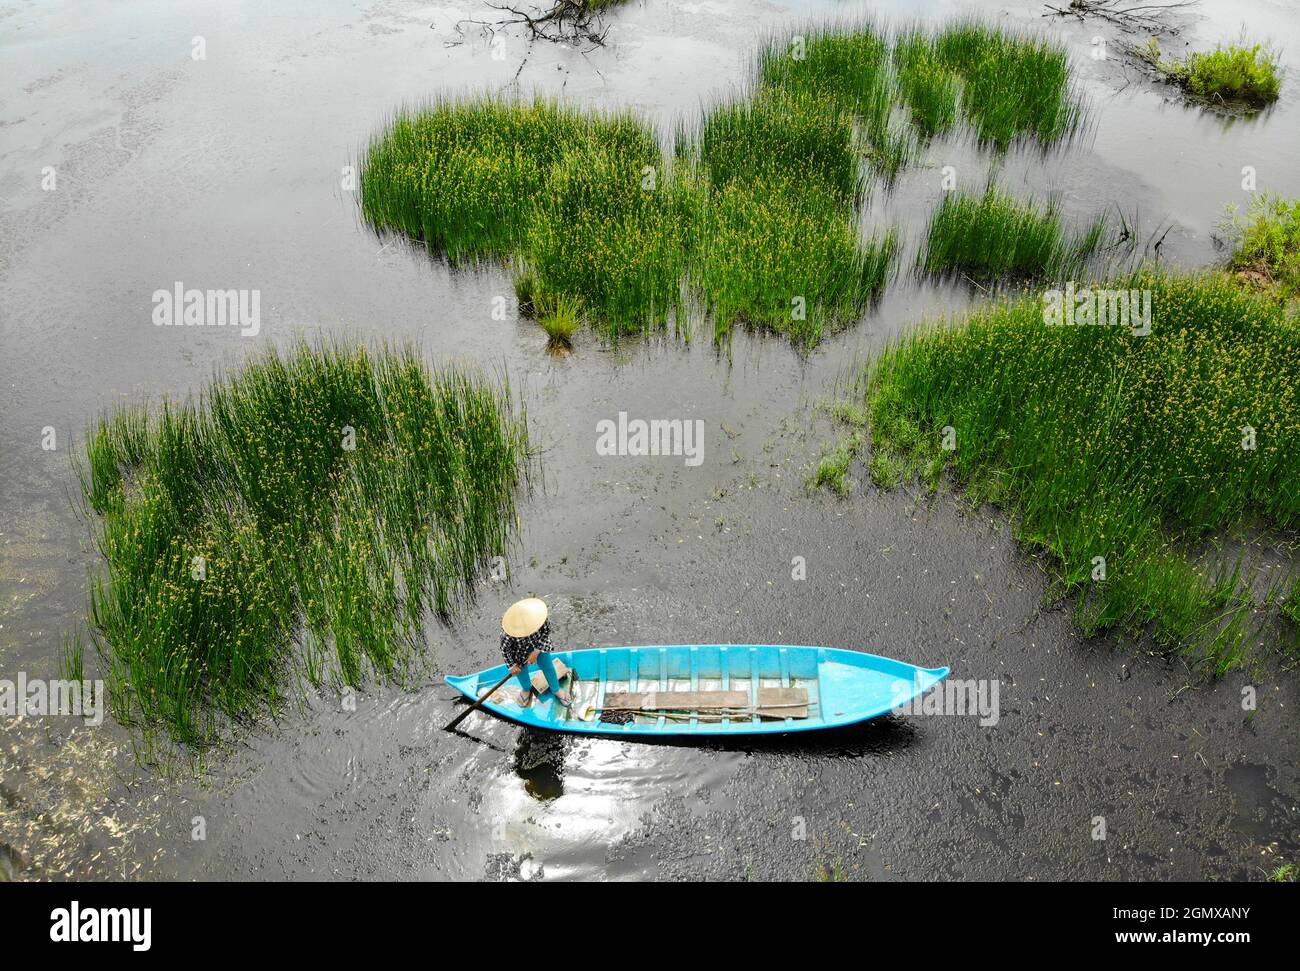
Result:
pixel 478 704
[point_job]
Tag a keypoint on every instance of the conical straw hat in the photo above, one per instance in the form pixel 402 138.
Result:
pixel 524 618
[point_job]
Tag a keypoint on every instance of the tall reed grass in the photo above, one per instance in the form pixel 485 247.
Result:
pixel 758 216
pixel 327 496
pixel 1012 85
pixel 465 175
pixel 993 235
pixel 1109 444
pixel 785 258
pixel 1006 85
pixel 754 215
pixel 802 139
pixel 930 90
pixel 611 234
pixel 848 72
pixel 777 246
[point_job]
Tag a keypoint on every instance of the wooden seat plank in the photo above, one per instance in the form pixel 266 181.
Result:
pixel 783 702
pixel 772 702
pixel 675 700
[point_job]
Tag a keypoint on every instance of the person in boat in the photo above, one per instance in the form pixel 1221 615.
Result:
pixel 525 640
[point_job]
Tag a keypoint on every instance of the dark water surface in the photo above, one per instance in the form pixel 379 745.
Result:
pixel 226 172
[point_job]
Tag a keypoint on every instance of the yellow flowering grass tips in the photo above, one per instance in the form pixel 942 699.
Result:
pixel 1114 450
pixel 1012 86
pixel 847 72
pixel 464 176
pixel 754 214
pixel 1248 75
pixel 994 236
pixel 609 237
pixel 786 259
pixel 328 496
pixel 756 221
pixel 777 244
pixel 1005 85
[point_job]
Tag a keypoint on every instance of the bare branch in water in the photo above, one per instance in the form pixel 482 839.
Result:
pixel 1129 17
pixel 565 21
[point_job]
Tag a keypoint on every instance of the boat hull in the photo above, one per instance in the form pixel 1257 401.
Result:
pixel 843 687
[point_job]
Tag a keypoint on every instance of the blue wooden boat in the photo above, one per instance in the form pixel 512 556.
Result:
pixel 720 689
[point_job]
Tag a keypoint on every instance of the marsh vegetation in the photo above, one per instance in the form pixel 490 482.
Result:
pixel 1266 242
pixel 752 215
pixel 778 183
pixel 993 236
pixel 1113 449
pixel 303 514
pixel 1248 75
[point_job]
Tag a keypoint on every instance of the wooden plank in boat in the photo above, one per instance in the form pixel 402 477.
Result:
pixel 783 702
pixel 772 702
pixel 676 700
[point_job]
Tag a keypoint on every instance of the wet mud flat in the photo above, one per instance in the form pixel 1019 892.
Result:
pixel 184 175
pixel 1084 730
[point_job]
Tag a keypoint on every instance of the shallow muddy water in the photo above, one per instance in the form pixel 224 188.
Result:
pixel 227 172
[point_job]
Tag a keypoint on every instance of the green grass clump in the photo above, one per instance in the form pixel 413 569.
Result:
pixel 850 74
pixel 327 496
pixel 465 176
pixel 1230 72
pixel 850 68
pixel 802 140
pixel 832 873
pixel 610 232
pixel 526 292
pixel 1284 873
pixel 759 215
pixel 787 259
pixel 1012 85
pixel 561 319
pixel 832 469
pixel 1005 85
pixel 582 199
pixel 1105 443
pixel 777 242
pixel 1267 241
pixel 994 235
pixel 928 87
pixel 1290 606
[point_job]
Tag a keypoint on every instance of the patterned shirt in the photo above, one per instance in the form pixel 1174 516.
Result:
pixel 517 649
